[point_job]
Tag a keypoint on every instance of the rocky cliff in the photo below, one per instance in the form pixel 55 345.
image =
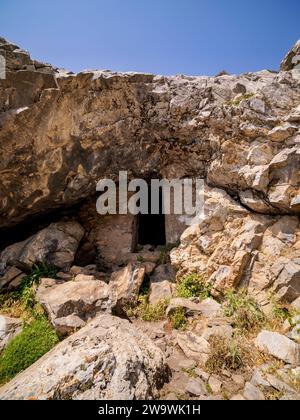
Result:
pixel 61 132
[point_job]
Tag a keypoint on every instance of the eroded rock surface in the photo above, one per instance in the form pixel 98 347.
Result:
pixel 106 360
pixel 232 246
pixel 239 132
pixel 73 303
pixel 55 245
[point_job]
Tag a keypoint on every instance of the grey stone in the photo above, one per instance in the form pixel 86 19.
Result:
pixel 71 304
pixel 9 328
pixel 106 360
pixel 278 346
pixel 196 387
pixel 159 291
pixel 215 384
pixel 55 245
pixel 253 393
pixel 194 346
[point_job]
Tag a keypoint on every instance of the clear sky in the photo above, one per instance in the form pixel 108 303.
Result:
pixel 159 36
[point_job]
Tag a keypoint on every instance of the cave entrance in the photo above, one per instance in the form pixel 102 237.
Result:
pixel 151 228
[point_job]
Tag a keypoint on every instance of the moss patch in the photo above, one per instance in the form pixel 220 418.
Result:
pixel 34 341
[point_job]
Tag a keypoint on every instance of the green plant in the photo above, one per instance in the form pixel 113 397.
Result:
pixel 241 98
pixel 34 341
pixel 244 310
pixel 21 303
pixel 39 270
pixel 281 311
pixel 193 285
pixel 140 259
pixel 178 319
pixel 190 372
pixel 226 354
pixel 147 312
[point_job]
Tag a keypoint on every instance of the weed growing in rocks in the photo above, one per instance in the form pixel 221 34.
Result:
pixel 193 285
pixel 21 303
pixel 230 354
pixel 244 310
pixel 282 311
pixel 38 335
pixel 33 342
pixel 148 312
pixel 240 99
pixel 178 319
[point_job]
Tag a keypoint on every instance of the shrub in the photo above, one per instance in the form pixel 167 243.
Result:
pixel 34 341
pixel 193 285
pixel 39 270
pixel 148 312
pixel 245 311
pixel 226 354
pixel 178 319
pixel 21 303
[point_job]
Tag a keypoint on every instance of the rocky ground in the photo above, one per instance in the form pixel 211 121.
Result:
pixel 140 334
pixel 215 316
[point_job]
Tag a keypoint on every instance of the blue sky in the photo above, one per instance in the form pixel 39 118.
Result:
pixel 158 36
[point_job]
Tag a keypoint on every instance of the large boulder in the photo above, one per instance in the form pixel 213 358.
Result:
pixel 55 245
pixel 106 360
pixel 71 304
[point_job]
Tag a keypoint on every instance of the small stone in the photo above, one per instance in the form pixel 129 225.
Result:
pixel 187 364
pixel 258 380
pixel 196 387
pixel 215 384
pixel 193 346
pixel 9 328
pixel 278 384
pixel 202 374
pixel 160 291
pixel 11 279
pixel 171 397
pixel 223 331
pixel 237 397
pixel 238 379
pixel 253 393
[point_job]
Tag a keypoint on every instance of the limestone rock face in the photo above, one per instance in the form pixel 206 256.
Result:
pixel 232 246
pixel 106 360
pixel 55 245
pixel 292 59
pixel 241 132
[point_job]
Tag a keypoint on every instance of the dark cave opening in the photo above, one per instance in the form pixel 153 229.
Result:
pixel 151 227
